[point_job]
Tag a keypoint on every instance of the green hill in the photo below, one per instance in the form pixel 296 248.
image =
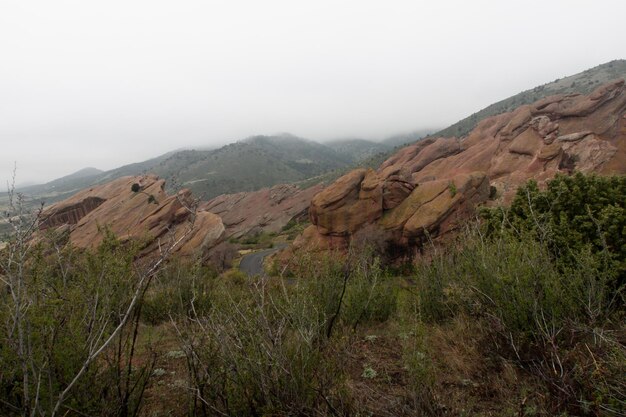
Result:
pixel 357 150
pixel 247 165
pixel 251 164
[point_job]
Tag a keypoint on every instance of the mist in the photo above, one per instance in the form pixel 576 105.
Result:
pixel 103 84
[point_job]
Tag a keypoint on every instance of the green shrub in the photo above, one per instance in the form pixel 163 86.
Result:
pixel 176 287
pixel 260 350
pixel 256 240
pixel 293 228
pixel 551 318
pixel 272 346
pixel 370 296
pixel 547 276
pixel 69 303
pixel 452 188
pixel 573 213
pixel 434 289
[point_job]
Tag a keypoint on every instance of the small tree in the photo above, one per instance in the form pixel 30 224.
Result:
pixel 136 188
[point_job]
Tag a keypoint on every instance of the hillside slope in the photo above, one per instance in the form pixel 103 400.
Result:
pixel 357 150
pixel 247 165
pixel 581 83
pixel 260 161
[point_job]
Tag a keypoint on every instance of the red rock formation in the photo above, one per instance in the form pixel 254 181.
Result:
pixel 70 213
pixel 433 184
pixel 269 209
pixel 353 200
pixel 149 215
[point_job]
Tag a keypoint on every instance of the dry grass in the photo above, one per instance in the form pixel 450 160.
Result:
pixel 167 393
pixel 466 380
pixel 383 392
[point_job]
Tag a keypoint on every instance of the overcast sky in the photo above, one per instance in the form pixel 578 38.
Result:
pixel 104 83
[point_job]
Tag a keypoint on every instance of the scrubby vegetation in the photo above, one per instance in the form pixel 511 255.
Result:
pixel 258 240
pixel 522 314
pixel 574 214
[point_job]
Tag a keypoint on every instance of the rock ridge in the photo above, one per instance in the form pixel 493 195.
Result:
pixel 433 185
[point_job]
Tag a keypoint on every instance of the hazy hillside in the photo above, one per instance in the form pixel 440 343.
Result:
pixel 357 150
pixel 404 139
pixel 262 161
pixel 247 165
pixel 77 179
pixel 582 83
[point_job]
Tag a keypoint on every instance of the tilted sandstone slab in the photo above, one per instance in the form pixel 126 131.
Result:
pixel 463 192
pixel 147 214
pixel 354 200
pixel 268 209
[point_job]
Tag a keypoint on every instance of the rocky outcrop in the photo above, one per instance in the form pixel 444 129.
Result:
pixel 147 214
pixel 353 200
pixel 70 213
pixel 431 186
pixel 269 209
pixel 139 208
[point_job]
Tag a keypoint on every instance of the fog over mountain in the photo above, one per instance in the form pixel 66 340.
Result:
pixel 103 84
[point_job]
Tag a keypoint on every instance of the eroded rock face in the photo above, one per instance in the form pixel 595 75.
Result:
pixel 354 200
pixel 70 213
pixel 432 185
pixel 149 215
pixel 269 209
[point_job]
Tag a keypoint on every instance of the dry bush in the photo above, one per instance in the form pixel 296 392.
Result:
pixel 222 255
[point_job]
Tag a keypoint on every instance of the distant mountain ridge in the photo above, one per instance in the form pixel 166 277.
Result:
pixel 247 165
pixel 407 138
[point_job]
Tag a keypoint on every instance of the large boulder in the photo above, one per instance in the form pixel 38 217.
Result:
pixel 431 203
pixel 350 202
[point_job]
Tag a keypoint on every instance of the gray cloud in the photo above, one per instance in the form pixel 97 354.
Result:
pixel 107 83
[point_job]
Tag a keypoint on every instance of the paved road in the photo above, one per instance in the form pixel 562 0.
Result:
pixel 252 263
